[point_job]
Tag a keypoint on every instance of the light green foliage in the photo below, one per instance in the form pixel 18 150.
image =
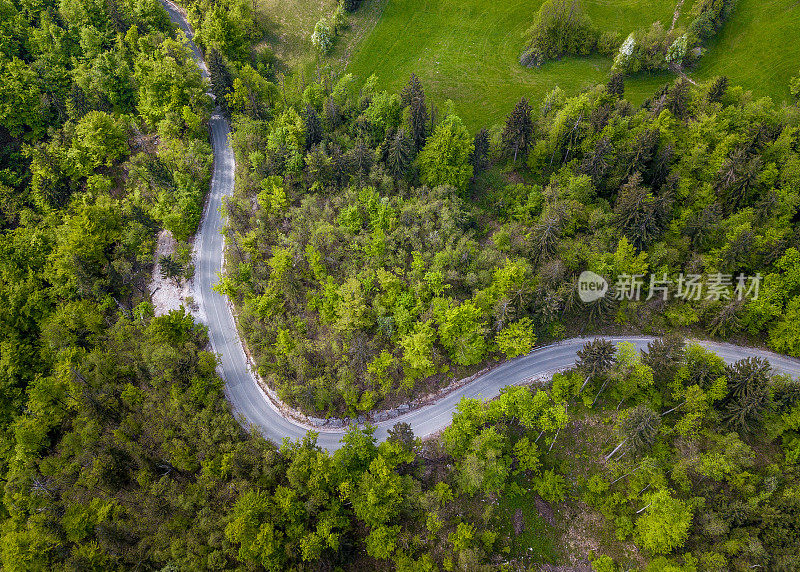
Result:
pixel 168 80
pixel 517 338
pixel 561 27
pixel 551 486
pixel 417 347
pixel 527 454
pixel 633 376
pixel 272 197
pixel 99 140
pixel 20 105
pixel 484 467
pixel 461 331
pixel 462 537
pixel 665 524
pixel 323 36
pixel 383 113
pixel 379 496
pixel 445 158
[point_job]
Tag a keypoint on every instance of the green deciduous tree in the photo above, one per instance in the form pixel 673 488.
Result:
pixel 517 338
pixel 664 526
pixel 445 159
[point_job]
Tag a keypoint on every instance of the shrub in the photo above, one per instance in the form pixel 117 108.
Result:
pixel 340 19
pixel 608 43
pixel 710 15
pixel 561 27
pixel 323 36
pixel 677 51
pixel 351 5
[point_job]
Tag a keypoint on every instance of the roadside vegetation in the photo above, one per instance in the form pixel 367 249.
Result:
pixel 380 245
pixel 377 249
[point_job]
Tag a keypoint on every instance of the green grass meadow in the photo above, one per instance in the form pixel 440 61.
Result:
pixel 759 48
pixel 468 51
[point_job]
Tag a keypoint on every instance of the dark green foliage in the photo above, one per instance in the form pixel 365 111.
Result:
pixel 398 151
pixel 413 97
pixel 748 394
pixel 677 100
pixel 313 127
pixel 518 131
pixel 480 154
pixel 351 5
pixel 640 216
pixel 170 267
pixel 718 89
pixel 596 357
pixel 561 28
pixel 664 356
pixel 639 429
pixel 616 84
pixel 221 78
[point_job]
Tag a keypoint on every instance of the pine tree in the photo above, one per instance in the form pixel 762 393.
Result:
pixel 640 215
pixel 221 78
pixel 677 100
pixel 518 131
pixel 640 429
pixel 595 358
pixel 718 89
pixel 398 154
pixel 616 84
pixel 413 97
pixel 480 155
pixel 313 126
pixel 748 397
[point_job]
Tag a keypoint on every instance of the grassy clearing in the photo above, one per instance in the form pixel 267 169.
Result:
pixel 290 25
pixel 468 51
pixel 759 48
pixel 538 541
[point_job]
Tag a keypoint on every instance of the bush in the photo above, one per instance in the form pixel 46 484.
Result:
pixel 351 5
pixel 340 19
pixel 677 51
pixel 323 36
pixel 608 43
pixel 561 27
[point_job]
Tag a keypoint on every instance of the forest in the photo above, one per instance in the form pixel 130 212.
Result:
pixel 376 249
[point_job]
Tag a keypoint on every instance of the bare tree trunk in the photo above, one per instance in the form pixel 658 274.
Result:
pixel 611 454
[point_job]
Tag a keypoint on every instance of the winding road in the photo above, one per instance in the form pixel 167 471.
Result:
pixel 250 402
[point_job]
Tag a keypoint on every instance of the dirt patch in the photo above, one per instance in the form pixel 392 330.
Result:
pixel 545 510
pixel 578 568
pixel 169 294
pixel 587 532
pixel 518 520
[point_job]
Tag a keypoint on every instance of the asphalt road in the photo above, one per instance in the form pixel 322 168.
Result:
pixel 248 399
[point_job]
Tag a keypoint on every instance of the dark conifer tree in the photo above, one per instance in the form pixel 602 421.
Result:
pixel 518 131
pixel 413 97
pixel 480 154
pixel 398 154
pixel 718 89
pixel 616 84
pixel 221 78
pixel 640 215
pixel 313 126
pixel 677 100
